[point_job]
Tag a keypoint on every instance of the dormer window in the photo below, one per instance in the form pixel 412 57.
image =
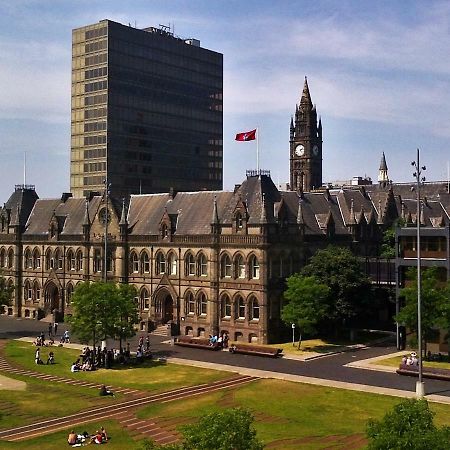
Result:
pixel 239 221
pixel 164 231
pixel 52 231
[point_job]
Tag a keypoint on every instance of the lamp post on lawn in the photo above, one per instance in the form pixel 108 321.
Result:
pixel 293 334
pixel 420 389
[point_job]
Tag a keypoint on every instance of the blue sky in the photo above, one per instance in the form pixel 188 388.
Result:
pixel 379 73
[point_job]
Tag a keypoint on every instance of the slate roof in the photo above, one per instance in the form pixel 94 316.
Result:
pixel 191 213
pixel 21 200
pixel 70 215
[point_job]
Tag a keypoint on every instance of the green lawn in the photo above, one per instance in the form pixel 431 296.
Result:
pixel 150 376
pixel 395 362
pixel 45 400
pixel 287 415
pixel 300 411
pixel 120 439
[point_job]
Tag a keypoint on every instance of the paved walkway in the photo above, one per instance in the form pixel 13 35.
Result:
pixel 10 384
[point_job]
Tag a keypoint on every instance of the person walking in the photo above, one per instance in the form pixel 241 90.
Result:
pixel 55 327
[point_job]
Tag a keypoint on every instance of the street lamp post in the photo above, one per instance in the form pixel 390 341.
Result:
pixel 420 389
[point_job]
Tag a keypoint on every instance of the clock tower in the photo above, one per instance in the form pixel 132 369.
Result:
pixel 305 149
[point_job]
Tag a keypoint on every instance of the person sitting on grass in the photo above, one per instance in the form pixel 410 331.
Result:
pixel 103 391
pixel 72 439
pixel 97 438
pixel 104 435
pixel 75 367
pixel 51 358
pixel 37 357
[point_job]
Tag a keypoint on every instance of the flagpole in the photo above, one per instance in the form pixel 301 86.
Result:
pixel 257 150
pixel 24 169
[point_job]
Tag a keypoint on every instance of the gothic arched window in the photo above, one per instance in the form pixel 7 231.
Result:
pixel 145 263
pixel 240 267
pixel 202 265
pixel 134 263
pixel 173 263
pixel 225 266
pixel 254 308
pixel 160 264
pixel 254 267
pixel 190 265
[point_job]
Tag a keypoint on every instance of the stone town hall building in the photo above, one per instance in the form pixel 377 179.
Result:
pixel 208 261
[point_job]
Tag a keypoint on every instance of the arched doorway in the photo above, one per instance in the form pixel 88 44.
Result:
pixel 52 299
pixel 167 309
pixel 164 306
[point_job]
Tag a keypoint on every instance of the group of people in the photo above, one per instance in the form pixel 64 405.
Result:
pixel 94 359
pixel 40 341
pixel 78 366
pixel 38 360
pixel 77 440
pixel 221 341
pixel 142 350
pixel 410 360
pixel 52 329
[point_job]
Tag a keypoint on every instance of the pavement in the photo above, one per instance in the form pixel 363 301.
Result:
pixel 9 384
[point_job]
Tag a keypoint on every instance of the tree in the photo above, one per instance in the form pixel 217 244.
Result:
pixel 307 303
pixel 6 291
pixel 408 426
pixel 388 241
pixel 102 310
pixel 228 429
pixel 433 295
pixel 444 312
pixel 350 288
pixel 127 313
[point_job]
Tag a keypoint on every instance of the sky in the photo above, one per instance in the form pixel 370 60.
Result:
pixel 378 72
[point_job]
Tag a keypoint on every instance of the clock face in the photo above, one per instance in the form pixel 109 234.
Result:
pixel 300 150
pixel 315 150
pixel 104 216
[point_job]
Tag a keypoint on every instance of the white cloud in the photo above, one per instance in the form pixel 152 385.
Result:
pixel 36 80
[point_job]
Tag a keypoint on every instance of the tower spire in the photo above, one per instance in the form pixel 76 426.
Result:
pixel 215 215
pixel 383 177
pixel 123 218
pixel 306 96
pixel 86 212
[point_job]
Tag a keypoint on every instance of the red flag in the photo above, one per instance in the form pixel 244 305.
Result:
pixel 247 136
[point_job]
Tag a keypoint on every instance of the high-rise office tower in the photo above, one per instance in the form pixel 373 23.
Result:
pixel 146 111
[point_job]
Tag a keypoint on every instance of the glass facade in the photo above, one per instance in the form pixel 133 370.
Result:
pixel 146 111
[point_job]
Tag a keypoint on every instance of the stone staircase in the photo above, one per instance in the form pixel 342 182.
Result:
pixel 160 331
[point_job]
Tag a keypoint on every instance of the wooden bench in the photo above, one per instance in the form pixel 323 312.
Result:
pixel 189 341
pixel 434 373
pixel 257 350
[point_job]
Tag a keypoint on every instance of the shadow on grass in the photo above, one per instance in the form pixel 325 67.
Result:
pixel 158 359
pixel 326 348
